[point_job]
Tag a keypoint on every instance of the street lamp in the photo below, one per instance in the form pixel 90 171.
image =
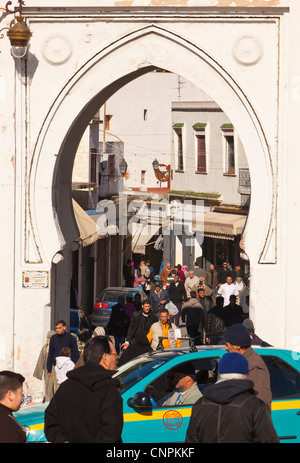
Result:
pixel 155 165
pixel 123 167
pixel 19 34
pixel 104 178
pixel 162 172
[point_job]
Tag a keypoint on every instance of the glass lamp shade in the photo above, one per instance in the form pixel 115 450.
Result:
pixel 155 164
pixel 123 167
pixel 18 51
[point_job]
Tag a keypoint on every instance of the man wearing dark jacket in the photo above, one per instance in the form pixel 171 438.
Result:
pixel 216 323
pixel 234 312
pixel 177 295
pixel 224 272
pixel 11 386
pixel 59 340
pixel 118 323
pixel 87 407
pixel 137 342
pixel 193 315
pixel 158 298
pixel 229 411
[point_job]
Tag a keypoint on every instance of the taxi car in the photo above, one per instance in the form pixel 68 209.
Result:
pixel 146 379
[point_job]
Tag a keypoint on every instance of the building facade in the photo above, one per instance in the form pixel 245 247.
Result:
pixel 209 165
pixel 241 54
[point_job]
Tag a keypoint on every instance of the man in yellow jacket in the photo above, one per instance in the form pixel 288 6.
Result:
pixel 161 329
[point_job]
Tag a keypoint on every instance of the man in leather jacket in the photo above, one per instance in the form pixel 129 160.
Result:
pixel 216 323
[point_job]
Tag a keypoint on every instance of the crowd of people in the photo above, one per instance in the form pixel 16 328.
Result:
pixel 206 303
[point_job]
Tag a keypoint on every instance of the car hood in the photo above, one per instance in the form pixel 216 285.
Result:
pixel 31 414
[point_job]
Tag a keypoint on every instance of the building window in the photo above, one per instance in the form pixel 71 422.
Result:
pixel 178 147
pixel 201 153
pixel 229 149
pixel 145 114
pixel 94 147
pixel 143 177
pixel 110 151
pixel 111 165
pixel 200 134
pixel 108 121
pixel 93 165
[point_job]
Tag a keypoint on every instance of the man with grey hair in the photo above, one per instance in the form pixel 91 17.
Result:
pixel 229 411
pixel 87 407
pixel 191 283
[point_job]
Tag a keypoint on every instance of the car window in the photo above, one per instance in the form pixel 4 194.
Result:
pixel 131 294
pixel 135 370
pixel 285 380
pixel 112 296
pixel 206 373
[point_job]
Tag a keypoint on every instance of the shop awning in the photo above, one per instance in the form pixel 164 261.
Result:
pixel 141 236
pixel 88 229
pixel 223 226
pixel 103 226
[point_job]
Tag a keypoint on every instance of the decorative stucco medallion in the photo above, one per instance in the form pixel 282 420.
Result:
pixel 57 48
pixel 247 50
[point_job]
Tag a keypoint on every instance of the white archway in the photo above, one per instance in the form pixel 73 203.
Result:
pixel 104 73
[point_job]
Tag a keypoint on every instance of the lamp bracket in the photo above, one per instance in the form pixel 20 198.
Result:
pixel 15 10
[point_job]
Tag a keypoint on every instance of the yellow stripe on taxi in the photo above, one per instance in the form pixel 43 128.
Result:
pixel 285 405
pixel 184 412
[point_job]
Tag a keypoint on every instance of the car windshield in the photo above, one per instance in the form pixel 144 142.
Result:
pixel 137 369
pixel 112 296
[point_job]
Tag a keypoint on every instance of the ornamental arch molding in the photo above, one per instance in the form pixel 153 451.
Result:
pixel 101 76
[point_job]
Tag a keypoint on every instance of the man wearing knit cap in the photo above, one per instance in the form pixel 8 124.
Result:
pixel 229 411
pixel 237 339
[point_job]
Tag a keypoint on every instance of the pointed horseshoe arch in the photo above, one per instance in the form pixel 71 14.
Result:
pixel 118 63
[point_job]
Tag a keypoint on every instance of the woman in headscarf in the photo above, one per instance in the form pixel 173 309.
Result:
pixel 98 331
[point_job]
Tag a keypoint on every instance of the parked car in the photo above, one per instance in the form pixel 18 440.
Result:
pixel 145 422
pixel 108 298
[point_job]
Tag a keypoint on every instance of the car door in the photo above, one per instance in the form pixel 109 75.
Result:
pixel 165 423
pixel 285 385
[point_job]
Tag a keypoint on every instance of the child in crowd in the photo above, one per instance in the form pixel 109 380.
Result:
pixel 63 365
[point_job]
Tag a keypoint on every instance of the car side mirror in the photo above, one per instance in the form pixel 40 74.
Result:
pixel 141 402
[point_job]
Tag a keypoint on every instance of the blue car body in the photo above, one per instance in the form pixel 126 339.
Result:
pixel 74 321
pixel 158 424
pixel 108 298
